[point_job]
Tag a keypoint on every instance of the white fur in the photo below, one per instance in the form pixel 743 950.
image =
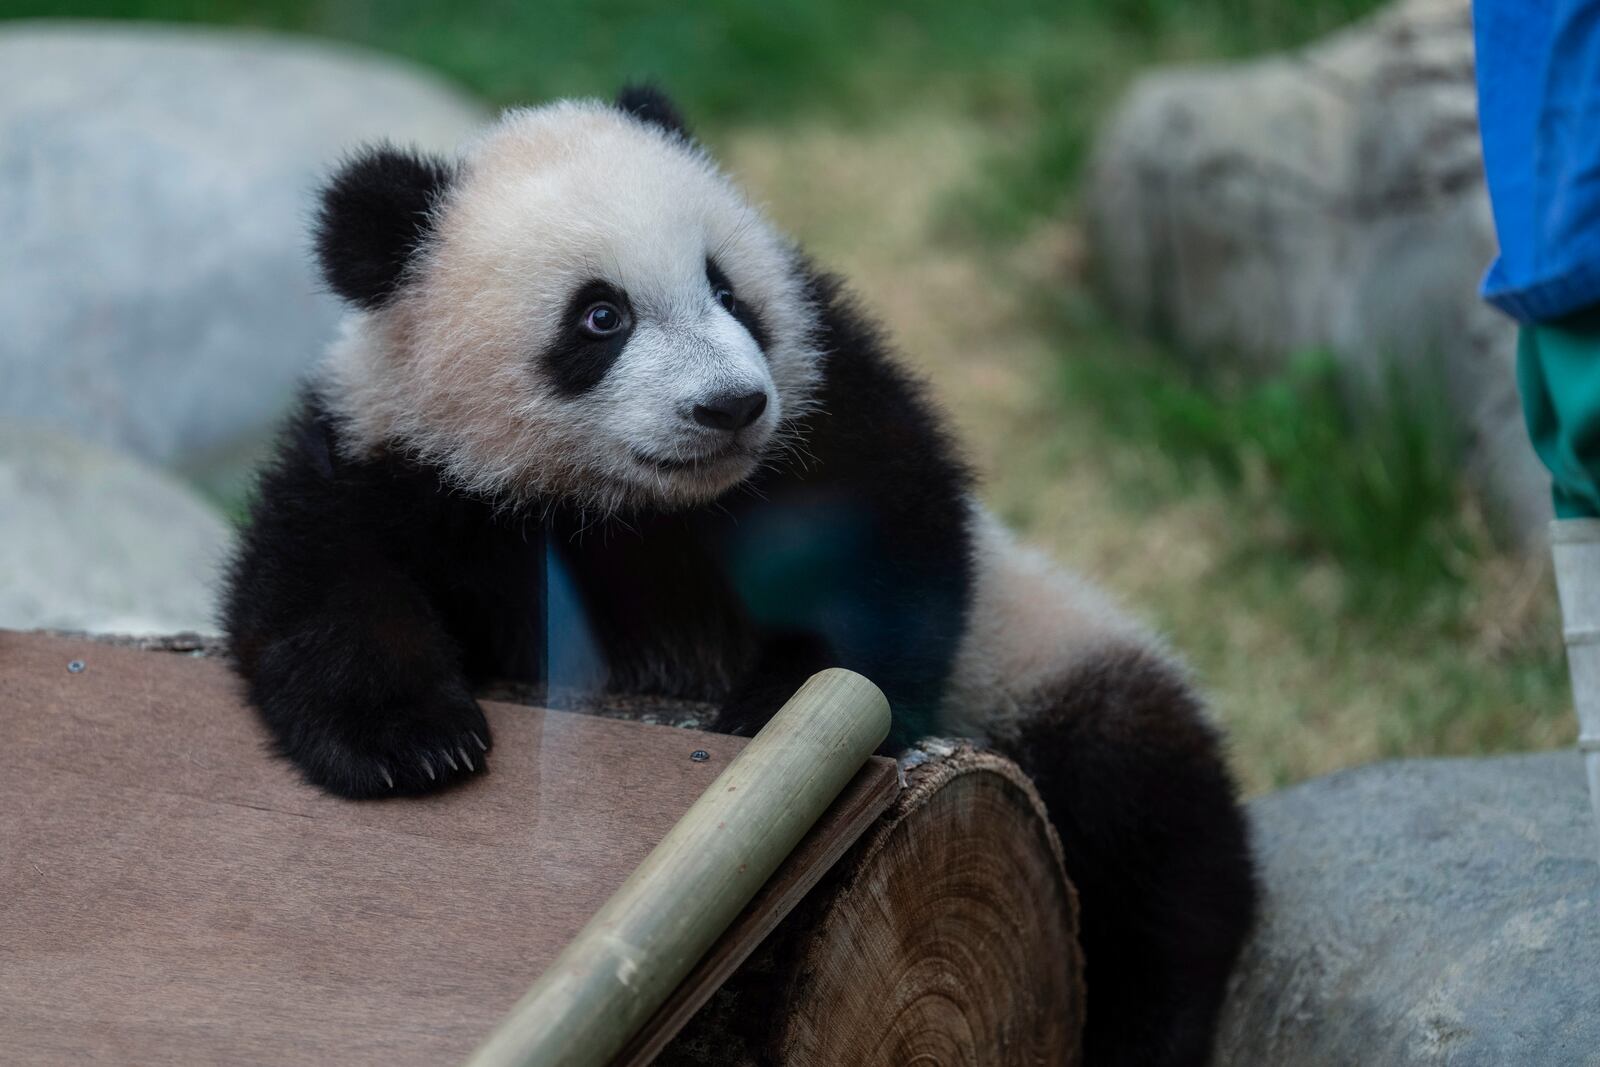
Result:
pixel 1033 624
pixel 548 199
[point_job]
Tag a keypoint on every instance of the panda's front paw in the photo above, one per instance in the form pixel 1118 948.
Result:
pixel 400 751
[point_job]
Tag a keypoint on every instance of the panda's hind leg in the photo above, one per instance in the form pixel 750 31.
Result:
pixel 1155 842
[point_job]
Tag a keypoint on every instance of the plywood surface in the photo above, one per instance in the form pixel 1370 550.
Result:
pixel 170 893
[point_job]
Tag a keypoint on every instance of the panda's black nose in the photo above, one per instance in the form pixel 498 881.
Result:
pixel 731 411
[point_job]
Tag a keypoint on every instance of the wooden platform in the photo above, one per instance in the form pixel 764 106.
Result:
pixel 170 893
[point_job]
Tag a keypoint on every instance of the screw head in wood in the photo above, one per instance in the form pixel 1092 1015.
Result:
pixel 76 666
pixel 699 755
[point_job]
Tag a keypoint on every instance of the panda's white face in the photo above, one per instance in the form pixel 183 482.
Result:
pixel 597 317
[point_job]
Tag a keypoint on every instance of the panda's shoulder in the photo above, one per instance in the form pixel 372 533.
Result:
pixel 315 474
pixel 873 413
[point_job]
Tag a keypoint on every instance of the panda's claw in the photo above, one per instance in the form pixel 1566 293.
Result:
pixel 465 758
pixel 478 739
pixel 415 752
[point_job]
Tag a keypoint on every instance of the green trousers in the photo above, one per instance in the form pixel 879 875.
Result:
pixel 1558 373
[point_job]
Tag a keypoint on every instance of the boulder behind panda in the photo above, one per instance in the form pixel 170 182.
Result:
pixel 579 368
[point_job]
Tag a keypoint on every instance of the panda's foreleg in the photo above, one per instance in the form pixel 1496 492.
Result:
pixel 1134 779
pixel 358 683
pixel 785 659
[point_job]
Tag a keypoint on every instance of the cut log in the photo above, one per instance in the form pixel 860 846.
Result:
pixel 958 895
pixel 948 935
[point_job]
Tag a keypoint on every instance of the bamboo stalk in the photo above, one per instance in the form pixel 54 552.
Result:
pixel 641 943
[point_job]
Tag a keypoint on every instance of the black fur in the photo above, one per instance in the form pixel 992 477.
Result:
pixel 1134 779
pixel 649 104
pixel 376 212
pixel 742 311
pixel 368 599
pixel 577 362
pixel 353 629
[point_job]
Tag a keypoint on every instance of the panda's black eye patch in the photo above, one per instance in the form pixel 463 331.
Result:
pixel 722 293
pixel 601 320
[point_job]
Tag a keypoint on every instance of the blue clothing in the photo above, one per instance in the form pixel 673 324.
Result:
pixel 1538 68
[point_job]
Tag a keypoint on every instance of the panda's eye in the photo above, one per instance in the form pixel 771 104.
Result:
pixel 602 319
pixel 724 296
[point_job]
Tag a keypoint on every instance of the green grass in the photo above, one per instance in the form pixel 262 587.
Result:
pixel 1039 72
pixel 1352 604
pixel 1368 478
pixel 731 60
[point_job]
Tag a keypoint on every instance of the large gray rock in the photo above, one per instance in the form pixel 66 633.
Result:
pixel 156 291
pixel 91 540
pixel 1425 912
pixel 1328 199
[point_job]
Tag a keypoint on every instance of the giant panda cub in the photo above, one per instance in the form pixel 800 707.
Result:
pixel 576 356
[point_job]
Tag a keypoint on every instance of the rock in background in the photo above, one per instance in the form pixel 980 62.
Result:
pixel 1424 912
pixel 156 291
pixel 1328 199
pixel 93 540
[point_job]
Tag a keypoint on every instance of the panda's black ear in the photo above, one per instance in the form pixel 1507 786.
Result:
pixel 376 211
pixel 649 104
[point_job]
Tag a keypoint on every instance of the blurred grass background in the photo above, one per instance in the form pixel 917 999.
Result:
pixel 730 61
pixel 1334 583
